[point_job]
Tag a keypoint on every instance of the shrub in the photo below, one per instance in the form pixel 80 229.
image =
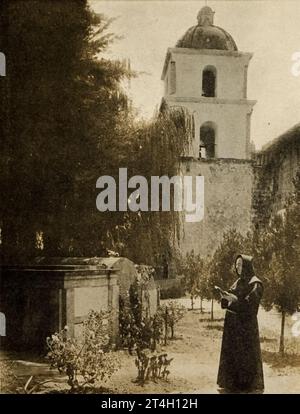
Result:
pixel 88 360
pixel 171 313
pixel 138 331
pixel 173 292
pixel 8 380
pixel 143 332
pixel 152 366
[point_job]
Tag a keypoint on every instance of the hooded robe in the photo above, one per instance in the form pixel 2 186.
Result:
pixel 240 368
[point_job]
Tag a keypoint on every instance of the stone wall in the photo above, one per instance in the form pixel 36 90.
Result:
pixel 227 202
pixel 276 167
pixel 241 194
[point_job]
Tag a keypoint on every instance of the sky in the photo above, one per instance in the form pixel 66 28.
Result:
pixel 270 29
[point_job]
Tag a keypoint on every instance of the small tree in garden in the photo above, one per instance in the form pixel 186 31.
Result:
pixel 204 285
pixel 192 269
pixel 176 312
pixel 208 287
pixel 171 313
pixel 89 360
pixel 221 267
pixel 280 261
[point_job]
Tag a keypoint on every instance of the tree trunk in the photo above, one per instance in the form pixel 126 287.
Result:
pixel 201 307
pixel 212 310
pixel 172 331
pixel 192 300
pixel 281 345
pixel 166 325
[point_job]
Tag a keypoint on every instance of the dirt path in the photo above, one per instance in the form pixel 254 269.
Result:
pixel 196 356
pixel 196 351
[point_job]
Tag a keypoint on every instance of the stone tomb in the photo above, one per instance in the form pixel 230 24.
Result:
pixel 42 298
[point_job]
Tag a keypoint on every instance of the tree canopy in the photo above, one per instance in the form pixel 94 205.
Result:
pixel 65 120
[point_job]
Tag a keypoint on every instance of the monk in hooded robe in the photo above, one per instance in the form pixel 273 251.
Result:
pixel 240 368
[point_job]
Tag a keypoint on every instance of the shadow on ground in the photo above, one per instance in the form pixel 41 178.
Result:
pixel 264 339
pixel 214 327
pixel 276 360
pixel 212 321
pixel 85 390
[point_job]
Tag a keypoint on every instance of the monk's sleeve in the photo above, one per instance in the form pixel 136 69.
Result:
pixel 249 303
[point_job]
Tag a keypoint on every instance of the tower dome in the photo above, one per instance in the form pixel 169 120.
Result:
pixel 207 36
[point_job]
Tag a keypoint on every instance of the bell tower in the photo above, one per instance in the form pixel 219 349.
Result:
pixel 206 74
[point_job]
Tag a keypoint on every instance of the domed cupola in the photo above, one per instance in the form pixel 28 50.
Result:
pixel 207 36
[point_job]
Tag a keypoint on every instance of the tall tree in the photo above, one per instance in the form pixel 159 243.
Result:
pixel 62 108
pixel 279 257
pixel 65 121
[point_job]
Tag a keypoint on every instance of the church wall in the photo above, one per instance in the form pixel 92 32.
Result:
pixel 227 202
pixel 275 170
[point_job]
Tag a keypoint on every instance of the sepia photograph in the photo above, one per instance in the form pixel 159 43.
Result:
pixel 150 199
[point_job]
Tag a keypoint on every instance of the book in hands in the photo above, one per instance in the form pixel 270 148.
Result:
pixel 226 295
